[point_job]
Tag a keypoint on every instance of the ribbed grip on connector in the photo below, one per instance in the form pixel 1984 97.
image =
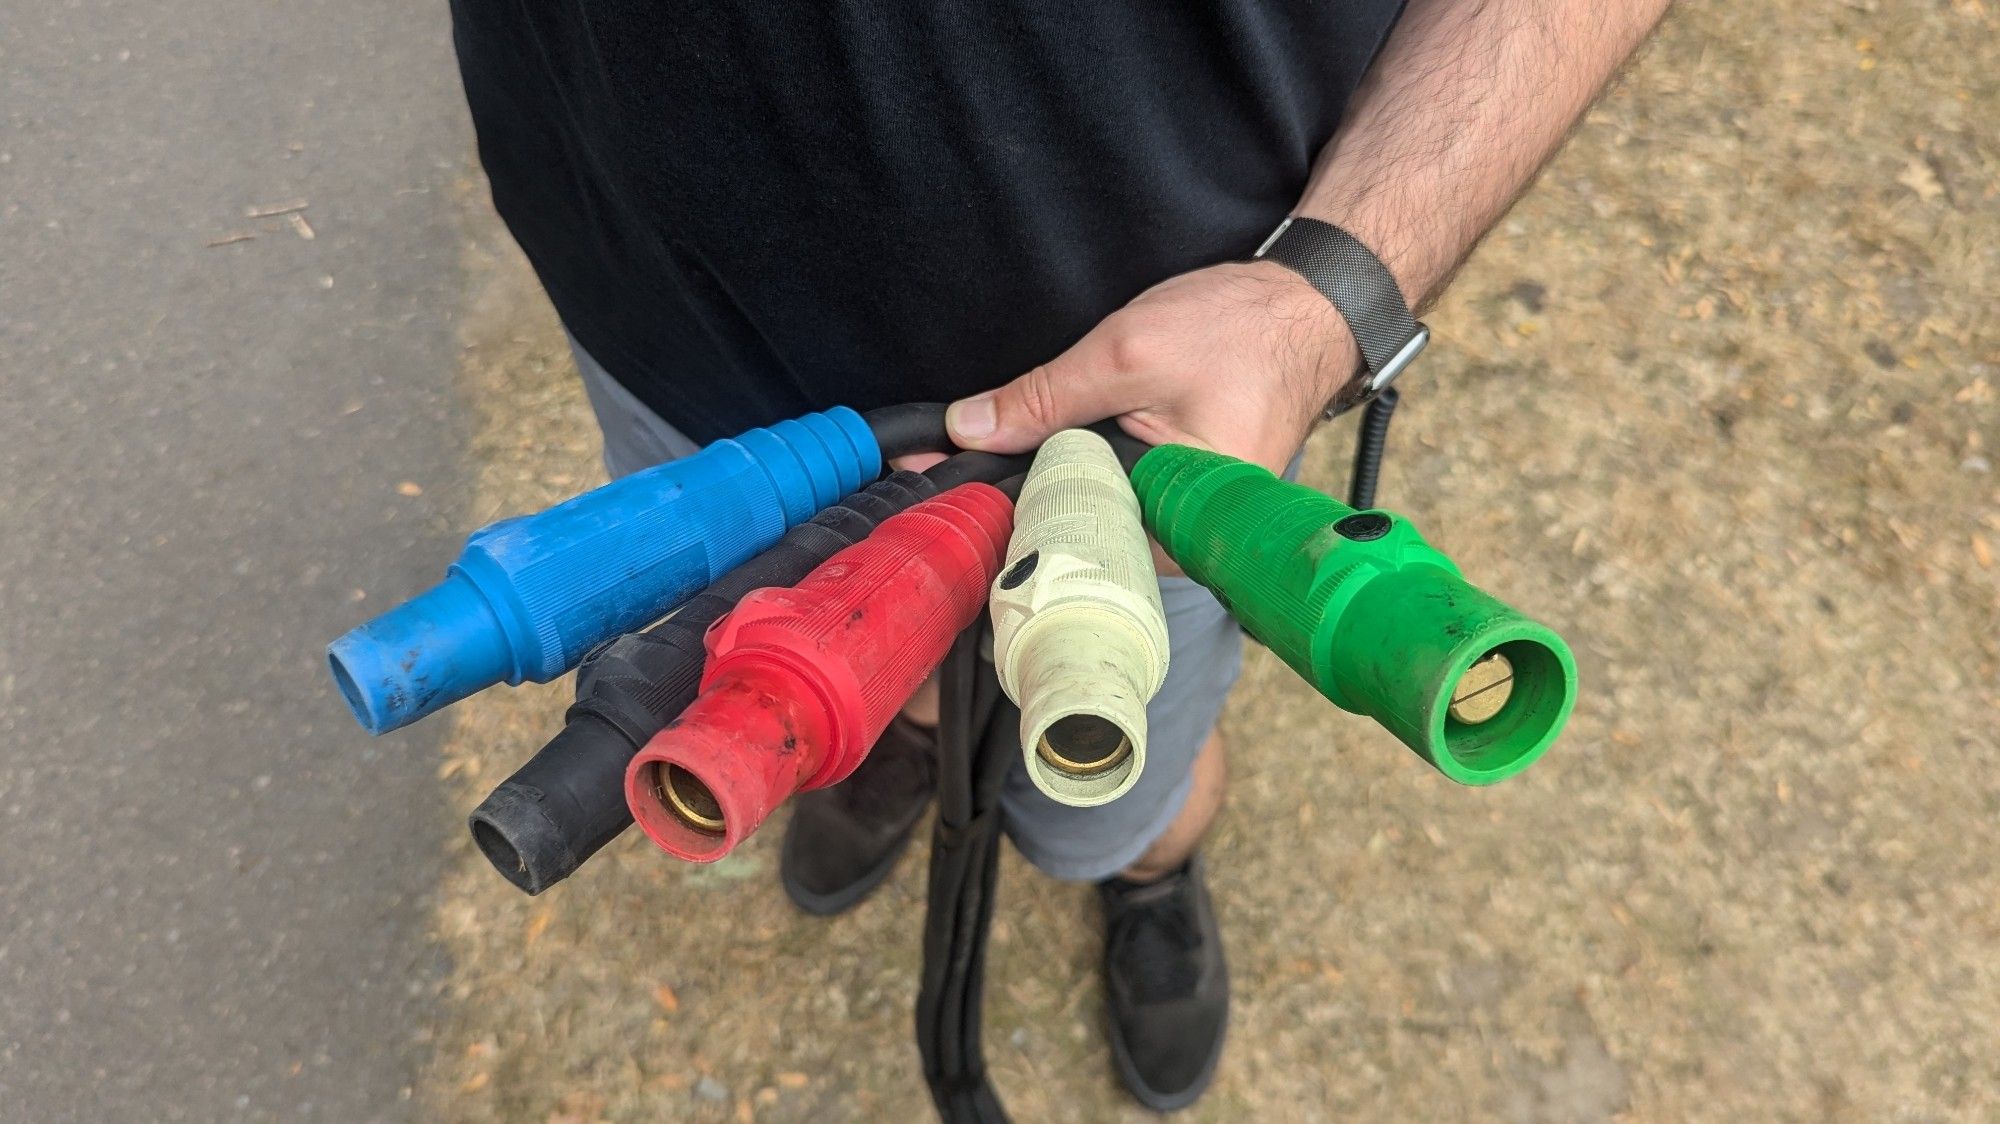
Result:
pixel 530 595
pixel 1078 503
pixel 801 681
pixel 876 618
pixel 615 558
pixel 1079 637
pixel 1253 539
pixel 568 801
pixel 1370 614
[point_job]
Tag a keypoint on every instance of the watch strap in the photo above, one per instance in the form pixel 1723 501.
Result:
pixel 1350 276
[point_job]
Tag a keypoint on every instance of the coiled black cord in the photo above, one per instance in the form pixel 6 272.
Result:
pixel 1369 442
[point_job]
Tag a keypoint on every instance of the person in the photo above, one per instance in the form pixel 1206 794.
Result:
pixel 1046 213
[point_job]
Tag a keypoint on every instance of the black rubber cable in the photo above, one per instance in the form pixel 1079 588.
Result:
pixel 568 800
pixel 1369 442
pixel 914 427
pixel 978 742
pixel 986 468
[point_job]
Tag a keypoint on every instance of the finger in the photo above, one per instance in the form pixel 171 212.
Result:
pixel 1075 388
pixel 915 462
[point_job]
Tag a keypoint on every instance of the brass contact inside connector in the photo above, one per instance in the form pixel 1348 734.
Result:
pixel 1483 690
pixel 690 799
pixel 1084 745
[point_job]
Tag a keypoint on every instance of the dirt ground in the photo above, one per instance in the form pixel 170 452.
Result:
pixel 1718 401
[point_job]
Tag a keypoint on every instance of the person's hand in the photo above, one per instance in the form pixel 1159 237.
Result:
pixel 1239 358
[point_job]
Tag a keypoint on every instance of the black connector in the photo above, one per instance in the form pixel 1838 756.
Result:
pixel 568 801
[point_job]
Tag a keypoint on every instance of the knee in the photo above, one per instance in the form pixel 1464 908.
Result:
pixel 1205 798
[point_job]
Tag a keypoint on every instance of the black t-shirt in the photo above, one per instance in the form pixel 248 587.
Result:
pixel 751 210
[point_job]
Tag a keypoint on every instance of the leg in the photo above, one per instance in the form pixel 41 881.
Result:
pixel 1172 849
pixel 922 708
pixel 634 436
pixel 1166 982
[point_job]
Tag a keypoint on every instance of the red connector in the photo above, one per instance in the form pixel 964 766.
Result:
pixel 801 681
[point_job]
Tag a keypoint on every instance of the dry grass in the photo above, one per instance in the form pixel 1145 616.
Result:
pixel 1719 401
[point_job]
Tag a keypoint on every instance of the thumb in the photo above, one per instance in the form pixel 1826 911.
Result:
pixel 1073 389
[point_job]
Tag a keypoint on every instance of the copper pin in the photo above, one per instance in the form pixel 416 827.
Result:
pixel 1084 745
pixel 689 798
pixel 1483 690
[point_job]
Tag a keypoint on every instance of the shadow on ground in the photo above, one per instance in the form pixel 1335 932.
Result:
pixel 1718 401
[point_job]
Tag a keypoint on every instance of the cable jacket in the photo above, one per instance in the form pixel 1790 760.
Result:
pixel 1370 441
pixel 977 467
pixel 978 742
pixel 915 427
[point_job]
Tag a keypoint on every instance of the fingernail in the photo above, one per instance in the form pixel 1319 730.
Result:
pixel 974 417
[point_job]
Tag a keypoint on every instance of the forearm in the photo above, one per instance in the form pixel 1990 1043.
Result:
pixel 1465 103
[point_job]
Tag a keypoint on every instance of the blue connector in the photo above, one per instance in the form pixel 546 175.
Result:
pixel 531 595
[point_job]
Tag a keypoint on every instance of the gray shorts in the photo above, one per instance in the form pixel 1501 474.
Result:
pixel 1074 844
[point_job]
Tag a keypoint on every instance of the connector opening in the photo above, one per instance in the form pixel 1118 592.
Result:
pixel 684 794
pixel 680 812
pixel 1084 745
pixel 349 690
pixel 501 852
pixel 1482 692
pixel 678 809
pixel 1505 739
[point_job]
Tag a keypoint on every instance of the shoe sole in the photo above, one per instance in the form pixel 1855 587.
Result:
pixel 1152 1098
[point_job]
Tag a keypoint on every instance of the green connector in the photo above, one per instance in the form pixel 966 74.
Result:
pixel 1367 611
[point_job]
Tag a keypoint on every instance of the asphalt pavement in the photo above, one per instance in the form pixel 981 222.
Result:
pixel 212 884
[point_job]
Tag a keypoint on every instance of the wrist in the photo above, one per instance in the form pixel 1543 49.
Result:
pixel 1353 279
pixel 1317 353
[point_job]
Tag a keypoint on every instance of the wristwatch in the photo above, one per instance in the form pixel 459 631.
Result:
pixel 1349 275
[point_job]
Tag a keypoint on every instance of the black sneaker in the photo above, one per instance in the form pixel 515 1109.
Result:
pixel 1167 985
pixel 844 840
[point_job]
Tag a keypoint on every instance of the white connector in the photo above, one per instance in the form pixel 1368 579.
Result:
pixel 1079 638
